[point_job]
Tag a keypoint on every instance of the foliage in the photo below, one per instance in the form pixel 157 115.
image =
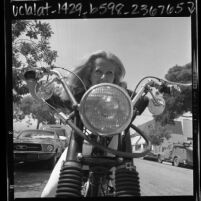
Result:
pixel 182 74
pixel 39 111
pixel 158 134
pixel 180 102
pixel 30 48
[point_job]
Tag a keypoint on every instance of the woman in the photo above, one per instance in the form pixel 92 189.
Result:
pixel 99 67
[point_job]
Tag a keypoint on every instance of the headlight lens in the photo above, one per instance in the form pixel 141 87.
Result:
pixel 50 147
pixel 106 109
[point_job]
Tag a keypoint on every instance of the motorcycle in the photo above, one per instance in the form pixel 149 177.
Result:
pixel 100 160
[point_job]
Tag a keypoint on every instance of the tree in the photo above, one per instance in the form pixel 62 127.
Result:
pixel 181 102
pixel 41 112
pixel 157 134
pixel 182 74
pixel 30 48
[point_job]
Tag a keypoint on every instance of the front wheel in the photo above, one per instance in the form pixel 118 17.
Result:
pixel 99 189
pixel 176 162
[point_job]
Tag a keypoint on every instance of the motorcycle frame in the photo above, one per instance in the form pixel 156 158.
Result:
pixel 124 156
pixel 32 76
pixel 77 136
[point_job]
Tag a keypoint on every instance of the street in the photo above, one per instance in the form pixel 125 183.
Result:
pixel 155 179
pixel 29 180
pixel 158 179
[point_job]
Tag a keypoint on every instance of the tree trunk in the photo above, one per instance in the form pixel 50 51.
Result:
pixel 38 123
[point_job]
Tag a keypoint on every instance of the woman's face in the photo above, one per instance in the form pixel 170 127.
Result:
pixel 103 71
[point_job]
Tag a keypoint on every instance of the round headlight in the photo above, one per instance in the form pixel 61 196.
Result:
pixel 106 109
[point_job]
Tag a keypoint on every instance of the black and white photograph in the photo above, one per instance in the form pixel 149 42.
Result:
pixel 102 107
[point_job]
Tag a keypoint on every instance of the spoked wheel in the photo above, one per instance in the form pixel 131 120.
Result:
pixel 97 185
pixel 92 190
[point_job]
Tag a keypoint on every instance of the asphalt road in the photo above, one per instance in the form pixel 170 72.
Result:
pixel 158 179
pixel 30 179
pixel 155 179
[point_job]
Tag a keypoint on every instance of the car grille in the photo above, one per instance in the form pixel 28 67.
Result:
pixel 27 147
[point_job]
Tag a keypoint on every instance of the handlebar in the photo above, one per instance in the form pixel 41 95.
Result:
pixel 37 73
pixel 162 85
pixel 32 74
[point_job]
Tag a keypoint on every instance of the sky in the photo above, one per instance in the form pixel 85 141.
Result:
pixel 146 46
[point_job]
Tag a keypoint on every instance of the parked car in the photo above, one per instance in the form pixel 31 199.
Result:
pixel 38 145
pixel 180 154
pixel 15 134
pixel 62 130
pixel 151 156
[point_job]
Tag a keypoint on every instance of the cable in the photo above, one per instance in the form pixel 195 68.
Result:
pixel 132 95
pixel 74 75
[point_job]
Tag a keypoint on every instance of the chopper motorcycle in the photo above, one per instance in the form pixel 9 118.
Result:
pixel 99 160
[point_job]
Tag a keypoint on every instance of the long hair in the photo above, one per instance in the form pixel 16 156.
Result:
pixel 84 70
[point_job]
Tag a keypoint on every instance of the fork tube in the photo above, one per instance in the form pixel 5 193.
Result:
pixel 120 141
pixel 126 144
pixel 139 94
pixel 66 88
pixel 128 147
pixel 76 141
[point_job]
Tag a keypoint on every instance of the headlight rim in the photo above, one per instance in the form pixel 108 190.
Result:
pixel 86 124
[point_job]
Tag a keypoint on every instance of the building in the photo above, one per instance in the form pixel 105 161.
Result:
pixel 180 132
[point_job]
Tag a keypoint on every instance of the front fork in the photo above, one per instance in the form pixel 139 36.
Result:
pixel 127 181
pixel 70 178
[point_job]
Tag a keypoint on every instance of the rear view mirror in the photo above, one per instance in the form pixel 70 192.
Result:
pixel 44 89
pixel 39 89
pixel 156 108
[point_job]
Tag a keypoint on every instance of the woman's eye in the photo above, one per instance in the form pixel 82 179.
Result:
pixel 109 73
pixel 98 72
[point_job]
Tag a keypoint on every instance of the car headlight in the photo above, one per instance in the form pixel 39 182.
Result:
pixel 106 109
pixel 50 147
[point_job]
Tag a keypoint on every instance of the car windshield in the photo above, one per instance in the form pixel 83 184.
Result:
pixel 59 131
pixel 36 134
